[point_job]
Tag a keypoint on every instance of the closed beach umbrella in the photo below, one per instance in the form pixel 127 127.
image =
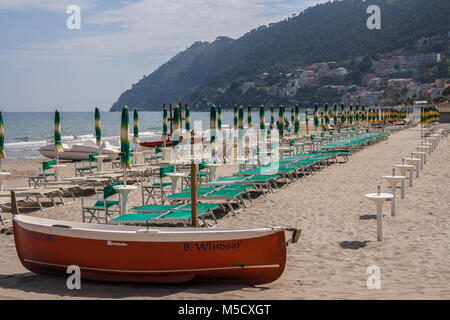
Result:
pixel 351 114
pixel 327 116
pixel 176 123
pixel 249 116
pixel 322 123
pixel 125 140
pixel 316 116
pixel 357 115
pixel 219 118
pixel 292 116
pixel 297 120
pixel 187 120
pixel 235 117
pixel 212 123
pixel 58 143
pixel 272 116
pixel 281 122
pixel 135 127
pixel 241 125
pixel 262 118
pixel 98 128
pixel 335 114
pixel 2 139
pixel 165 126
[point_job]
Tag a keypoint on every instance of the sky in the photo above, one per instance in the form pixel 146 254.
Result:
pixel 44 65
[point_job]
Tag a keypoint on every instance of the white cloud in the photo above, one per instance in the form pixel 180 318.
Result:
pixel 161 26
pixel 48 5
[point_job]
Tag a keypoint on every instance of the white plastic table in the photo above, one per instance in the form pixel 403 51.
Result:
pixel 212 170
pixel 124 191
pixel 58 168
pixel 3 175
pixel 175 176
pixel 423 148
pixel 379 199
pixel 414 161
pixel 135 154
pixel 403 168
pixel 422 155
pixel 393 180
pixel 430 145
pixel 100 159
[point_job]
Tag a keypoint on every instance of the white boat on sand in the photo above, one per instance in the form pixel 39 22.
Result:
pixel 81 151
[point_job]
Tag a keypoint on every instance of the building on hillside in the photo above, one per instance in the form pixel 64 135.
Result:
pixel 377 83
pixel 340 72
pixel 425 58
pixel 247 85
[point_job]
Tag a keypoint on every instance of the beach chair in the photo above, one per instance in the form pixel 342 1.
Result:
pixel 155 157
pixel 103 204
pixel 36 195
pixel 228 196
pixel 157 189
pixel 42 177
pixel 86 166
pixel 170 217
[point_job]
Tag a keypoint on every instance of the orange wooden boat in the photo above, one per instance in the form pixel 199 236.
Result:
pixel 160 255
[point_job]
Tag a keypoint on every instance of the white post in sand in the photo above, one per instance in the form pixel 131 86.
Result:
pixel 393 180
pixel 379 199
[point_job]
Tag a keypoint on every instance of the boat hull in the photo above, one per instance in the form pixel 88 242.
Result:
pixel 136 255
pixel 77 155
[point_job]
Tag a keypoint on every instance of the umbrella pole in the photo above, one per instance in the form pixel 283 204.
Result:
pixel 194 194
pixel 125 177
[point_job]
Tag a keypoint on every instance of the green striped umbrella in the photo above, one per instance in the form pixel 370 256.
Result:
pixel 292 116
pixel 297 120
pixel 272 116
pixel 327 116
pixel 187 120
pixel 342 113
pixel 58 143
pixel 351 114
pixel 165 134
pixel 316 116
pixel 249 116
pixel 176 123
pixel 135 127
pixel 241 124
pixel 335 114
pixel 219 118
pixel 307 122
pixel 262 118
pixel 357 115
pixel 281 122
pixel 2 139
pixel 98 128
pixel 212 123
pixel 235 117
pixel 125 140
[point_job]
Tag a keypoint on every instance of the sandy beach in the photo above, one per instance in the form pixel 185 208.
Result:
pixel 337 244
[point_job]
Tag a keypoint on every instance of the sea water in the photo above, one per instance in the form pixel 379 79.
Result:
pixel 26 132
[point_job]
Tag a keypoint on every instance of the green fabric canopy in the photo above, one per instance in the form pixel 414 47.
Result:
pixel 125 156
pixel 135 127
pixel 2 139
pixel 58 143
pixel 98 128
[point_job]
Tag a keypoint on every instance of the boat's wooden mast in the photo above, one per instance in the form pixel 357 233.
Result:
pixel 194 194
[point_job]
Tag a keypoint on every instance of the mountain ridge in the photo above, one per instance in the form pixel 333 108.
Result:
pixel 333 31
